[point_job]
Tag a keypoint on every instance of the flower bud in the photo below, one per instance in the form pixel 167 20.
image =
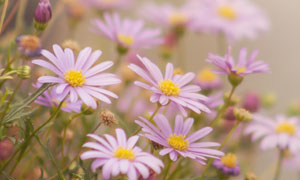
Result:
pixel 24 72
pixel 29 45
pixel 107 118
pixel 233 100
pixel 235 79
pixel 268 100
pixel 229 114
pixel 250 176
pixel 242 114
pixel 6 149
pixel 251 102
pixel 73 45
pixel 42 15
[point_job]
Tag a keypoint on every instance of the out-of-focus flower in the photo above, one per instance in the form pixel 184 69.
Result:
pixel 170 88
pixel 74 9
pixel 106 5
pixel 73 45
pixel 51 99
pixel 176 141
pixel 251 102
pixel 268 100
pixel 78 78
pixel 107 118
pixel 127 33
pixel 228 165
pixel 6 149
pixel 42 14
pixel 229 113
pixel 120 156
pixel 250 176
pixel 29 45
pixel 243 66
pixel 242 114
pixel 208 80
pixel 236 19
pixel 283 132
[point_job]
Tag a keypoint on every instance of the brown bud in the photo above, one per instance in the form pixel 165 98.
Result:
pixel 107 118
pixel 6 149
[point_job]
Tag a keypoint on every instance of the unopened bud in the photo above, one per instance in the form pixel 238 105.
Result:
pixel 24 72
pixel 6 149
pixel 233 99
pixel 251 102
pixel 107 118
pixel 73 45
pixel 229 114
pixel 242 114
pixel 42 15
pixel 250 176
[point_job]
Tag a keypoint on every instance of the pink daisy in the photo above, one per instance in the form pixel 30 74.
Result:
pixel 236 19
pixel 176 141
pixel 127 33
pixel 120 156
pixel 51 99
pixel 170 88
pixel 243 67
pixel 283 132
pixel 78 78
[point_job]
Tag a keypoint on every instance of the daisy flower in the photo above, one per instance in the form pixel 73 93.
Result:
pixel 78 78
pixel 236 19
pixel 51 99
pixel 176 141
pixel 208 80
pixel 243 66
pixel 283 132
pixel 170 88
pixel 228 165
pixel 106 5
pixel 120 156
pixel 127 33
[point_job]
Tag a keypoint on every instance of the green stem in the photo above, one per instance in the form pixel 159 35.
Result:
pixel 117 62
pixel 278 167
pixel 223 109
pixel 167 169
pixel 27 141
pixel 3 14
pixel 220 147
pixel 151 118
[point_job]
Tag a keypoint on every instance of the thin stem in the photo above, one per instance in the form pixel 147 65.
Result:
pixel 151 118
pixel 167 169
pixel 278 167
pixel 117 62
pixel 26 143
pixel 223 109
pixel 220 147
pixel 3 14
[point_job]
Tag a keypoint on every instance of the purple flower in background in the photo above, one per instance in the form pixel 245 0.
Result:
pixel 170 88
pixel 106 5
pixel 29 45
pixel 120 156
pixel 244 65
pixel 283 132
pixel 127 33
pixel 177 141
pixel 251 102
pixel 78 78
pixel 236 19
pixel 208 80
pixel 52 99
pixel 43 12
pixel 228 165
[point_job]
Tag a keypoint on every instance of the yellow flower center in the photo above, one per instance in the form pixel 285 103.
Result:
pixel 169 88
pixel 125 39
pixel 229 160
pixel 178 19
pixel 227 12
pixel 122 153
pixel 286 127
pixel 240 70
pixel 178 142
pixel 206 75
pixel 64 104
pixel 75 78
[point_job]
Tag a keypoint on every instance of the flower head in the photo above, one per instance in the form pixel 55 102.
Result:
pixel 228 164
pixel 29 45
pixel 120 156
pixel 177 141
pixel 244 65
pixel 170 88
pixel 78 78
pixel 283 132
pixel 236 19
pixel 127 33
pixel 51 99
pixel 208 80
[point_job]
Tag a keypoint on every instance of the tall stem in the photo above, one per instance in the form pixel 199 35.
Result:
pixel 167 169
pixel 220 147
pixel 223 109
pixel 278 167
pixel 3 14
